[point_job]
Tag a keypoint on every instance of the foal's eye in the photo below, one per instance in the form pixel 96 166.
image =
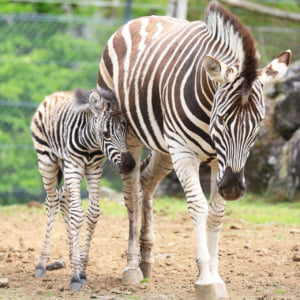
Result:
pixel 106 134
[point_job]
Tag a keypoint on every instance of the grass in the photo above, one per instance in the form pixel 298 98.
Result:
pixel 280 292
pixel 261 210
pixel 9 210
pixel 251 208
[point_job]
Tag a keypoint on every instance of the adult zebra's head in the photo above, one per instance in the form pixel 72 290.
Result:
pixel 109 126
pixel 237 111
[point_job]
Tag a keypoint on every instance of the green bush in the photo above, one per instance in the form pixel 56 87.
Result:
pixel 32 67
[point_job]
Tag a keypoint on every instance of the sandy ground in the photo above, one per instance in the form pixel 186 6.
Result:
pixel 256 261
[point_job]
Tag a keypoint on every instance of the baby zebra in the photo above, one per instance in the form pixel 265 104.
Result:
pixel 72 132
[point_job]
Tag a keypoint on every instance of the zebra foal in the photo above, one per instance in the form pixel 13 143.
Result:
pixel 192 93
pixel 71 134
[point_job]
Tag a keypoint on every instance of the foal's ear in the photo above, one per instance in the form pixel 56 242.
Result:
pixel 111 102
pixel 96 103
pixel 276 69
pixel 217 70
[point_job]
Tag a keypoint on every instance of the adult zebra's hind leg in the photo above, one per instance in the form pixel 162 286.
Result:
pixel 153 169
pixel 48 167
pixel 92 176
pixel 132 274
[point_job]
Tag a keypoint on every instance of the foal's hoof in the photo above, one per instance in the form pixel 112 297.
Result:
pixel 146 269
pixel 75 284
pixel 132 276
pixel 82 278
pixel 206 292
pixel 75 287
pixel 40 271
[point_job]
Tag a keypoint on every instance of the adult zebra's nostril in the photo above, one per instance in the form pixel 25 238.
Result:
pixel 127 163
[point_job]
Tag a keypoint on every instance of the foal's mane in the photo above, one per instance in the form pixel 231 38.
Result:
pixel 227 28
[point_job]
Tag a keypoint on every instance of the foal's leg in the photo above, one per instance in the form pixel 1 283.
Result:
pixel 73 176
pixel 64 203
pixel 48 167
pixel 92 176
pixel 153 169
pixel 216 212
pixel 133 196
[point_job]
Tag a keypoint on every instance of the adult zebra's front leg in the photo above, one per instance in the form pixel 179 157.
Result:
pixel 186 165
pixel 215 218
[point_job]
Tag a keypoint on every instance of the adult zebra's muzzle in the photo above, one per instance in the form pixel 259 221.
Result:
pixel 127 163
pixel 232 186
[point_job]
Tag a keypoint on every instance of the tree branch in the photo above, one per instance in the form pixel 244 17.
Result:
pixel 263 9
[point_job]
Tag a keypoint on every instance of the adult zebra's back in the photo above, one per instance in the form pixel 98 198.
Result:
pixel 191 92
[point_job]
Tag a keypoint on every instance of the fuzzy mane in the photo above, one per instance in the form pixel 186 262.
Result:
pixel 81 100
pixel 230 31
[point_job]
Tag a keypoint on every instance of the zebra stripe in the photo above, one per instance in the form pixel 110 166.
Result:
pixel 192 93
pixel 71 134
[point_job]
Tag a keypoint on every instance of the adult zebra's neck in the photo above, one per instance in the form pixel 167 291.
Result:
pixel 236 43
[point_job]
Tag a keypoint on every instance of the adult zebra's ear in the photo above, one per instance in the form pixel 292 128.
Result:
pixel 217 70
pixel 96 103
pixel 276 69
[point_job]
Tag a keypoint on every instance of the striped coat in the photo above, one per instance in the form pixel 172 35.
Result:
pixel 192 93
pixel 72 133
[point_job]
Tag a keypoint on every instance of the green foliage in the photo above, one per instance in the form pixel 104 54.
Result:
pixel 9 7
pixel 41 54
pixel 36 60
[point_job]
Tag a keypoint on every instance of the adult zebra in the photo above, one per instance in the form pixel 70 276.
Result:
pixel 72 132
pixel 191 92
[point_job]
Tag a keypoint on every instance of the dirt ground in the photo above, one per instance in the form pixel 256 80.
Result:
pixel 256 261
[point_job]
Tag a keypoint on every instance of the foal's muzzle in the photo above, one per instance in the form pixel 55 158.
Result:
pixel 127 163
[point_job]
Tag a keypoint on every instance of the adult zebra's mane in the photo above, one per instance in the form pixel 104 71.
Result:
pixel 230 31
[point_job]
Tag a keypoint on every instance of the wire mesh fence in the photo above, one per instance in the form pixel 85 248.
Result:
pixel 43 53
pixel 40 54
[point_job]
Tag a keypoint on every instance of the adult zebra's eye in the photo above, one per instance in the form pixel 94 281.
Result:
pixel 221 121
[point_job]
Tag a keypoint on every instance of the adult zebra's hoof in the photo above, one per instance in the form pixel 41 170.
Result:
pixel 222 292
pixel 132 276
pixel 40 271
pixel 146 269
pixel 206 292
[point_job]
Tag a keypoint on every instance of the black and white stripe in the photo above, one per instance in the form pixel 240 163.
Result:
pixel 72 132
pixel 192 93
